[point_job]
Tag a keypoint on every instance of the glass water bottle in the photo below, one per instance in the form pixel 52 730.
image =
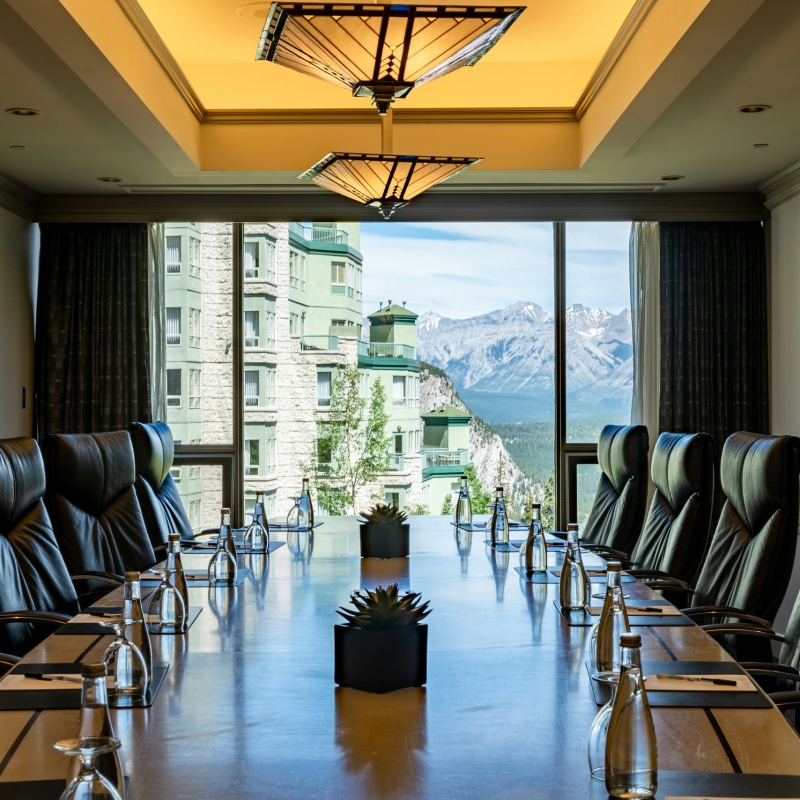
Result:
pixel 631 749
pixel 499 524
pixel 463 513
pixel 305 503
pixel 612 624
pixel 574 589
pixel 256 537
pixel 223 567
pixel 136 632
pixel 533 553
pixel 95 721
pixel 175 567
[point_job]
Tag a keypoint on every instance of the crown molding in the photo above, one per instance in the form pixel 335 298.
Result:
pixel 615 50
pixel 17 197
pixel 135 13
pixel 782 186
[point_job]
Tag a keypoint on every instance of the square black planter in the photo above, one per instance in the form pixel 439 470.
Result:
pixel 380 661
pixel 379 540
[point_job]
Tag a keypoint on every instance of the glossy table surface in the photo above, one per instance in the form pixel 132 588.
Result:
pixel 249 708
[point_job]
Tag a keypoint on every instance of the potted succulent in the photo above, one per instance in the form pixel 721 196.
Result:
pixel 383 646
pixel 384 532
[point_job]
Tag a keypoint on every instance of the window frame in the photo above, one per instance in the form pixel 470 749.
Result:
pixel 176 341
pixel 179 395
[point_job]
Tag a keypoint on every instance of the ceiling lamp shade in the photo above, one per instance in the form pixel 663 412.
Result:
pixel 385 182
pixel 380 51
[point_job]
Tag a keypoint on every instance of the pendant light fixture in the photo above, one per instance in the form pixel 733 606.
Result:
pixel 384 181
pixel 380 51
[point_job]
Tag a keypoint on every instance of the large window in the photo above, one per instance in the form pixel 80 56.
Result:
pixel 174 326
pixel 338 277
pixel 174 388
pixel 323 388
pixel 173 255
pixel 251 329
pixel 194 327
pixel 251 393
pixel 297 270
pixel 251 260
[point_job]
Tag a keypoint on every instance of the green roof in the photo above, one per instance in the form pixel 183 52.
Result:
pixel 446 411
pixel 393 311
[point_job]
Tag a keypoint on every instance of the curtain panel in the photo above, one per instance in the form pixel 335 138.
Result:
pixel 93 370
pixel 714 346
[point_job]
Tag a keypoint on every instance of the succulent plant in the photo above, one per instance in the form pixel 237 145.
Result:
pixel 385 515
pixel 382 609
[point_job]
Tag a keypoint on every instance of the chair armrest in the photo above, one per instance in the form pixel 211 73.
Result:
pixel 786 701
pixel 8 660
pixel 648 573
pixel 104 577
pixel 50 617
pixel 742 630
pixel 774 673
pixel 161 547
pixel 725 611
pixel 600 549
pixel 774 666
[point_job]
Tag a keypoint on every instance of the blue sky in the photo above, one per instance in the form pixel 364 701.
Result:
pixel 466 269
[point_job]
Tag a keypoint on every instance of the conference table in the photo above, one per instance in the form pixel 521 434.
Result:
pixel 249 709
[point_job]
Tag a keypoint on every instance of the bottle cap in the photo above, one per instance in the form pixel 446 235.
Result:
pixel 225 511
pixel 498 488
pixel 630 640
pixel 536 505
pixel 174 537
pixel 614 566
pixel 259 496
pixel 572 526
pixel 132 576
pixel 93 670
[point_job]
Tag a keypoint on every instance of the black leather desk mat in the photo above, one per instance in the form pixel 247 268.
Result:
pixel 282 526
pixel 202 582
pixel 36 790
pixel 510 547
pixel 548 577
pixel 583 619
pixel 46 699
pixel 89 629
pixel 757 699
pixel 202 547
pixel 712 784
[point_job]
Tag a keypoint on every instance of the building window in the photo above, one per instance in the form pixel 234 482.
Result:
pixel 351 280
pixel 338 272
pixel 251 328
pixel 194 388
pixel 270 393
pixel 393 498
pixel 251 387
pixel 398 443
pixel 269 253
pixel 195 513
pixel 173 255
pixel 194 470
pixel 269 457
pixel 398 390
pixel 294 324
pixel 358 283
pixel 363 384
pixel 269 336
pixel 251 260
pixel 174 326
pixel 174 388
pixel 323 388
pixel 297 270
pixel 194 327
pixel 338 323
pixel 324 454
pixel 251 448
pixel 194 258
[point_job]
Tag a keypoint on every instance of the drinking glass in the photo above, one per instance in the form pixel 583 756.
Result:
pixel 297 517
pixel 89 784
pixel 166 609
pixel 598 733
pixel 124 660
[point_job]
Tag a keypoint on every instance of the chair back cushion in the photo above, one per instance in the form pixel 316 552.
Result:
pixel 676 531
pixel 751 554
pixel 25 523
pixel 93 503
pixel 16 638
pixel 163 510
pixel 620 502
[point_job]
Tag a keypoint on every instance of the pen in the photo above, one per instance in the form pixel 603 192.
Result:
pixel 64 678
pixel 715 681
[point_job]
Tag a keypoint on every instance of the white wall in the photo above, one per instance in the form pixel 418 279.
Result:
pixel 785 342
pixel 19 257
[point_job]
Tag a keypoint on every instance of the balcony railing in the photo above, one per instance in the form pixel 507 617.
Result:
pixel 385 350
pixel 319 343
pixel 323 235
pixel 396 462
pixel 445 458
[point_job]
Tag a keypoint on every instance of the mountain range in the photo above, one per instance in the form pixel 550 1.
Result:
pixel 512 352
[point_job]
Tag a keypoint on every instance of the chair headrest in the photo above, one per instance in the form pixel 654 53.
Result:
pixel 154 450
pixel 90 469
pixel 622 453
pixel 681 465
pixel 22 481
pixel 759 474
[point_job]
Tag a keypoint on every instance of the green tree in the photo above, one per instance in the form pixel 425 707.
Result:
pixel 549 503
pixel 479 498
pixel 447 505
pixel 352 447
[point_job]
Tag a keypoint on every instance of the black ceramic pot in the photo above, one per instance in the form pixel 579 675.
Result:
pixel 380 661
pixel 379 540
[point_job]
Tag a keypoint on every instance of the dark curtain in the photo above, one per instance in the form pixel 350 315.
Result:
pixel 92 328
pixel 714 349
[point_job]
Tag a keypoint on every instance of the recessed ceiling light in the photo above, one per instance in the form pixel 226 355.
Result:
pixel 756 108
pixel 110 180
pixel 672 177
pixel 23 112
pixel 17 147
pixel 760 145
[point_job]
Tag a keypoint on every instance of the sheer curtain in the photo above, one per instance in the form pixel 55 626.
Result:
pixel 645 270
pixel 158 356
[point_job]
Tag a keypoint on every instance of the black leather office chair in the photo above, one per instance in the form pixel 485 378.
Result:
pixel 154 450
pixel 93 504
pixel 615 521
pixel 676 532
pixel 750 559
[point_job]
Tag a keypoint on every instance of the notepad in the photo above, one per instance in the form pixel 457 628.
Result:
pixel 743 684
pixel 639 611
pixel 18 683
